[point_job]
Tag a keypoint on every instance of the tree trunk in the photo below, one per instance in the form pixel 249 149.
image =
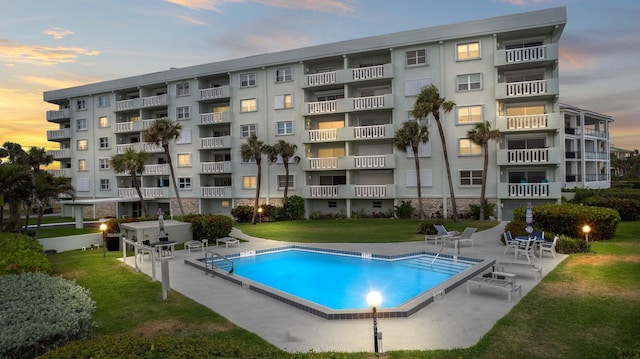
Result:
pixel 134 179
pixel 173 178
pixel 416 159
pixel 286 189
pixel 257 200
pixel 485 148
pixel 446 162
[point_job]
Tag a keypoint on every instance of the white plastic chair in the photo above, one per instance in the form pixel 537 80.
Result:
pixel 525 248
pixel 509 241
pixel 549 247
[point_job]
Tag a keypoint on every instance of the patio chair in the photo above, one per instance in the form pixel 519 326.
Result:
pixel 465 236
pixel 525 248
pixel 538 235
pixel 509 241
pixel 549 247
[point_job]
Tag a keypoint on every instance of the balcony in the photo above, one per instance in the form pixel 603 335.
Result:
pixel 156 170
pixel 373 162
pixel 122 148
pixel 528 55
pixel 147 192
pixel 525 123
pixel 142 102
pixel 152 147
pixel 350 105
pixel 530 156
pixel 533 89
pixel 350 133
pixel 348 76
pixel 349 163
pixel 384 191
pixel 65 172
pixel 59 135
pixel 213 118
pixel 214 93
pixel 58 115
pixel 529 190
pixel 321 163
pixel 216 167
pixel 215 142
pixel 217 192
pixel 59 154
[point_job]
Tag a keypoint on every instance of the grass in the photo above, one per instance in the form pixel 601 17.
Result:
pixel 588 307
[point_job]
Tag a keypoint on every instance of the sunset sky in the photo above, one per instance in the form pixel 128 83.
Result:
pixel 47 45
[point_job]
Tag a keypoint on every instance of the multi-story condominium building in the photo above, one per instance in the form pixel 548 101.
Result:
pixel 341 104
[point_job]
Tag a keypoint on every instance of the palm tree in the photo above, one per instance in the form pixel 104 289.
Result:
pixel 252 150
pixel 430 102
pixel 162 132
pixel 36 157
pixel 48 189
pixel 286 151
pixel 481 134
pixel 15 182
pixel 131 162
pixel 411 135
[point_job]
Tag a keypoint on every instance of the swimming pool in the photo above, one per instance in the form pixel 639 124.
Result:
pixel 334 284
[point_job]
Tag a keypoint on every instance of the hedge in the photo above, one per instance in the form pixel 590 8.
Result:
pixel 209 226
pixel 21 254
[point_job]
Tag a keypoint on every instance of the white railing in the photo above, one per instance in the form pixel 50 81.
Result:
pixel 213 192
pixel 534 155
pixel 57 115
pixel 124 126
pixel 375 191
pixel 377 161
pixel 526 54
pixel 323 106
pixel 211 118
pixel 323 191
pixel 58 134
pixel 529 190
pixel 154 169
pixel 147 192
pixel 212 142
pixel 123 148
pixel 323 78
pixel 369 131
pixel 152 101
pixel 323 163
pixel 152 147
pixel 527 88
pixel 65 172
pixel 211 93
pixel 323 135
pixel 213 167
pixel 369 102
pixel 148 123
pixel 62 153
pixel 124 105
pixel 527 122
pixel 365 73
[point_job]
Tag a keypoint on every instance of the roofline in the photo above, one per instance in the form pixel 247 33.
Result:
pixel 551 17
pixel 572 108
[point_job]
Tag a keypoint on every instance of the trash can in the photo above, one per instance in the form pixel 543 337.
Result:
pixel 113 242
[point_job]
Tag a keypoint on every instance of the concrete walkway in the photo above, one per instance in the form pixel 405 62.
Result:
pixel 457 320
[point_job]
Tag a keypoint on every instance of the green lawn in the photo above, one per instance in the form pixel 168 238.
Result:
pixel 588 307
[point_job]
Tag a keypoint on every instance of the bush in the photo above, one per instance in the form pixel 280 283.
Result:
pixel 209 226
pixel 21 254
pixel 516 227
pixel 242 214
pixel 295 207
pixel 568 219
pixel 427 226
pixel 39 313
pixel 404 210
pixel 489 210
pixel 629 209
pixel 568 245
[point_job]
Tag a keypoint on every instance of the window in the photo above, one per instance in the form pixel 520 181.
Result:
pixel 81 105
pixel 282 181
pixel 184 160
pixel 283 101
pixel 468 51
pixel 182 89
pixel 468 147
pixel 471 178
pixel 103 143
pixel 81 124
pixel 82 165
pixel 469 114
pixel 103 101
pixel 185 136
pixel 469 82
pixel 183 113
pixel 104 163
pixel 249 182
pixel 284 128
pixel 332 204
pixel 249 105
pixel 184 182
pixel 103 121
pixel 413 87
pixel 376 204
pixel 283 74
pixel 416 57
pixel 104 184
pixel 82 145
pixel 247 130
pixel 248 79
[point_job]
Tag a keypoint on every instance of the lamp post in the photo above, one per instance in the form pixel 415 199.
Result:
pixel 103 228
pixel 260 214
pixel 374 299
pixel 586 229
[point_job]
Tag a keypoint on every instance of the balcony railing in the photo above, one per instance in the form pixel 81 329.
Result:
pixel 61 134
pixel 322 107
pixel 123 147
pixel 323 78
pixel 526 54
pixel 528 190
pixel 147 192
pixel 377 161
pixel 156 170
pixel 65 172
pixel 526 88
pixel 368 103
pixel 527 122
pixel 214 167
pixel 215 142
pixel 370 191
pixel 215 117
pixel 323 163
pixel 369 131
pixel 216 192
pixel 329 134
pixel 348 75
pixel 152 147
pixel 59 154
pixel 535 155
pixel 596 177
pixel 214 93
pixel 57 115
pixel 142 102
pixel 366 73
pixel 323 191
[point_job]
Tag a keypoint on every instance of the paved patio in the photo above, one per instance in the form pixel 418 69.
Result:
pixel 457 320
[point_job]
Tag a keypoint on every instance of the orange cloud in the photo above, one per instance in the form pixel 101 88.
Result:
pixel 13 52
pixel 525 2
pixel 193 21
pixel 58 33
pixel 571 59
pixel 313 5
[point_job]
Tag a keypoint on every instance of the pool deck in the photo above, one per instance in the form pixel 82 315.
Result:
pixel 456 320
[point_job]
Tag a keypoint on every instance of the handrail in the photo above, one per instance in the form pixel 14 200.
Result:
pixel 209 258
pixel 438 254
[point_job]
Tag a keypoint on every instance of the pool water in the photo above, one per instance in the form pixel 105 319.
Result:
pixel 342 282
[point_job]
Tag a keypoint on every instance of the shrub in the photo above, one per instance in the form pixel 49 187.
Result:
pixel 427 226
pixel 404 210
pixel 568 219
pixel 39 313
pixel 20 254
pixel 242 214
pixel 209 226
pixel 629 209
pixel 489 210
pixel 568 245
pixel 516 227
pixel 295 207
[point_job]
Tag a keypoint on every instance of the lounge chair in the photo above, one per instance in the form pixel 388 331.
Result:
pixel 501 284
pixel 465 236
pixel 509 241
pixel 227 241
pixel 514 266
pixel 549 247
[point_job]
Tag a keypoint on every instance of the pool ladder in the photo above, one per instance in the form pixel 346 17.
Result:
pixel 209 262
pixel 438 254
